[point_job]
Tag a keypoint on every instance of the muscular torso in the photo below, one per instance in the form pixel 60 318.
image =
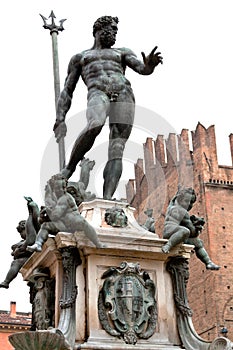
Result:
pixel 104 70
pixel 175 215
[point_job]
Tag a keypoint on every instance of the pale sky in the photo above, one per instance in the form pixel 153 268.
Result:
pixel 194 84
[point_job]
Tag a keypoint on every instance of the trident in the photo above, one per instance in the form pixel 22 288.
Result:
pixel 54 31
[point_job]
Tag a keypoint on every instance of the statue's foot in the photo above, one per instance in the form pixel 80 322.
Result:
pixel 36 247
pixel 166 248
pixel 212 266
pixel 101 245
pixel 4 285
pixel 66 173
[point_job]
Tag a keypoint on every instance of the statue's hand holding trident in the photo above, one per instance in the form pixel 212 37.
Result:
pixel 60 130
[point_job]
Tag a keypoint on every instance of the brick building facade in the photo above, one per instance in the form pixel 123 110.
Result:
pixel 168 163
pixel 12 322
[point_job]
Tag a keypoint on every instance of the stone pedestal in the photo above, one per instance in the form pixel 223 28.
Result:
pixel 130 244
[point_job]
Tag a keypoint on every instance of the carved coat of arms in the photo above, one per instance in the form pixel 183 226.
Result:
pixel 127 307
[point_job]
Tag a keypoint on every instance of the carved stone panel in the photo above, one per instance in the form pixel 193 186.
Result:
pixel 126 305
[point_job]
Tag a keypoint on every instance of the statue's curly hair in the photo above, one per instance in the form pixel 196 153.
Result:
pixel 102 22
pixel 21 226
pixel 58 177
pixel 182 191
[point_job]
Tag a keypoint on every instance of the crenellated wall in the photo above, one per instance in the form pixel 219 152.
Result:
pixel 191 160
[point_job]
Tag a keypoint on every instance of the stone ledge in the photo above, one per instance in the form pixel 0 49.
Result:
pixel 125 245
pixel 123 346
pixel 121 244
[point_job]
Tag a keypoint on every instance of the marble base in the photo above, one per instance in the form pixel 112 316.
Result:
pixel 132 244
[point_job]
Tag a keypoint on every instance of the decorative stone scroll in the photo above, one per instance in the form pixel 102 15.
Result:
pixel 178 267
pixel 42 297
pixel 67 322
pixel 221 343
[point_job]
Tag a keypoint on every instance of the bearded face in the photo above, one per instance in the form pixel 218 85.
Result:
pixel 107 38
pixel 107 35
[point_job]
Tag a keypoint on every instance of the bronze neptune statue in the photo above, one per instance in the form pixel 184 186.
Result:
pixel 102 68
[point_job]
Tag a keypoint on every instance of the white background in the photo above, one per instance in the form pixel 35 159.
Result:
pixel 195 83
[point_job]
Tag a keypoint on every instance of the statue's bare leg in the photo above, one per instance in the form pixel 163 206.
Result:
pixel 42 236
pixel 177 237
pixel 97 110
pixel 81 224
pixel 92 235
pixel 13 271
pixel 121 122
pixel 202 254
